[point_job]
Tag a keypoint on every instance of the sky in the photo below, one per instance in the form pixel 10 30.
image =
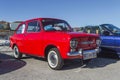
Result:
pixel 76 12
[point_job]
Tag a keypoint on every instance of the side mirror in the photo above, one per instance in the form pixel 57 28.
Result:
pixel 106 33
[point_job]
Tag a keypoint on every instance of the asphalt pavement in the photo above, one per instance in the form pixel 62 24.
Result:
pixel 32 68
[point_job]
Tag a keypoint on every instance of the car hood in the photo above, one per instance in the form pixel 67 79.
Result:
pixel 81 34
pixel 70 34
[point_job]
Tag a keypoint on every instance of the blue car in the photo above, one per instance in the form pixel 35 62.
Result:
pixel 110 37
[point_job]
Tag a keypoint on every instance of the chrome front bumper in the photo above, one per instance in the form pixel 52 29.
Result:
pixel 87 54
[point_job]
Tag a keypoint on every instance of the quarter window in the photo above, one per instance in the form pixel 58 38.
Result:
pixel 33 26
pixel 21 29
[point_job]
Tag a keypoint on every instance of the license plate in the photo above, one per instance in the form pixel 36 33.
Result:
pixel 89 56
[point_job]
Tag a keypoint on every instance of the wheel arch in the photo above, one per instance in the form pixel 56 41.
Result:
pixel 14 45
pixel 48 48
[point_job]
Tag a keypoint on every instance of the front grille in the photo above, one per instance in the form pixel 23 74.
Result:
pixel 86 43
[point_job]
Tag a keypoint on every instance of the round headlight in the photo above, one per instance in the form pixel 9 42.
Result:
pixel 98 42
pixel 73 43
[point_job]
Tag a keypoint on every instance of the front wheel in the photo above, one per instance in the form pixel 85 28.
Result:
pixel 16 53
pixel 54 59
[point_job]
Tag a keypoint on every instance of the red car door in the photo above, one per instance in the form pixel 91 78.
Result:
pixel 19 37
pixel 33 38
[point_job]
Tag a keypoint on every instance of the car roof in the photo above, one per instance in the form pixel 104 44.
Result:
pixel 41 19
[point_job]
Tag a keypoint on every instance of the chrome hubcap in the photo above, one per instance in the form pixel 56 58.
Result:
pixel 52 59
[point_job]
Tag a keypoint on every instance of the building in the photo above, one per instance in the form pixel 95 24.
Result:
pixel 4 25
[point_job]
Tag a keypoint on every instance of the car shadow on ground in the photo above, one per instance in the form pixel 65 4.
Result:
pixel 99 62
pixel 71 64
pixel 9 64
pixel 34 57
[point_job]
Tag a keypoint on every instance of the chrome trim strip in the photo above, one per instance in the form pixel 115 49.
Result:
pixel 110 46
pixel 75 53
pixel 87 42
pixel 80 53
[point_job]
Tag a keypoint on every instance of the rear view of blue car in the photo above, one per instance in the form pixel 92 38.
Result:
pixel 110 37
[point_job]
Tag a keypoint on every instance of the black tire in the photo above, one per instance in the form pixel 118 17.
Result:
pixel 54 59
pixel 16 53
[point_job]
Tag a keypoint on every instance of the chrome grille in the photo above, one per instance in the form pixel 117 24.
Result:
pixel 87 43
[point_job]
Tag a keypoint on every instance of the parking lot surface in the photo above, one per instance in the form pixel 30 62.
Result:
pixel 31 68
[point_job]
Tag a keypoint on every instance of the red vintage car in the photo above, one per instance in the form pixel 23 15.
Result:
pixel 54 40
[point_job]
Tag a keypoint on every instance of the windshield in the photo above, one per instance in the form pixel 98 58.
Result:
pixel 55 25
pixel 112 28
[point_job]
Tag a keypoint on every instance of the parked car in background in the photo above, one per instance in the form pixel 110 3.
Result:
pixel 110 37
pixel 54 40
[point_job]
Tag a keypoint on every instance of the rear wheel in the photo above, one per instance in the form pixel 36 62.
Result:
pixel 17 54
pixel 54 59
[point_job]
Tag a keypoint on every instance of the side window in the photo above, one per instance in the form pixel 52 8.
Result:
pixel 95 30
pixel 33 26
pixel 87 30
pixel 21 29
pixel 104 31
